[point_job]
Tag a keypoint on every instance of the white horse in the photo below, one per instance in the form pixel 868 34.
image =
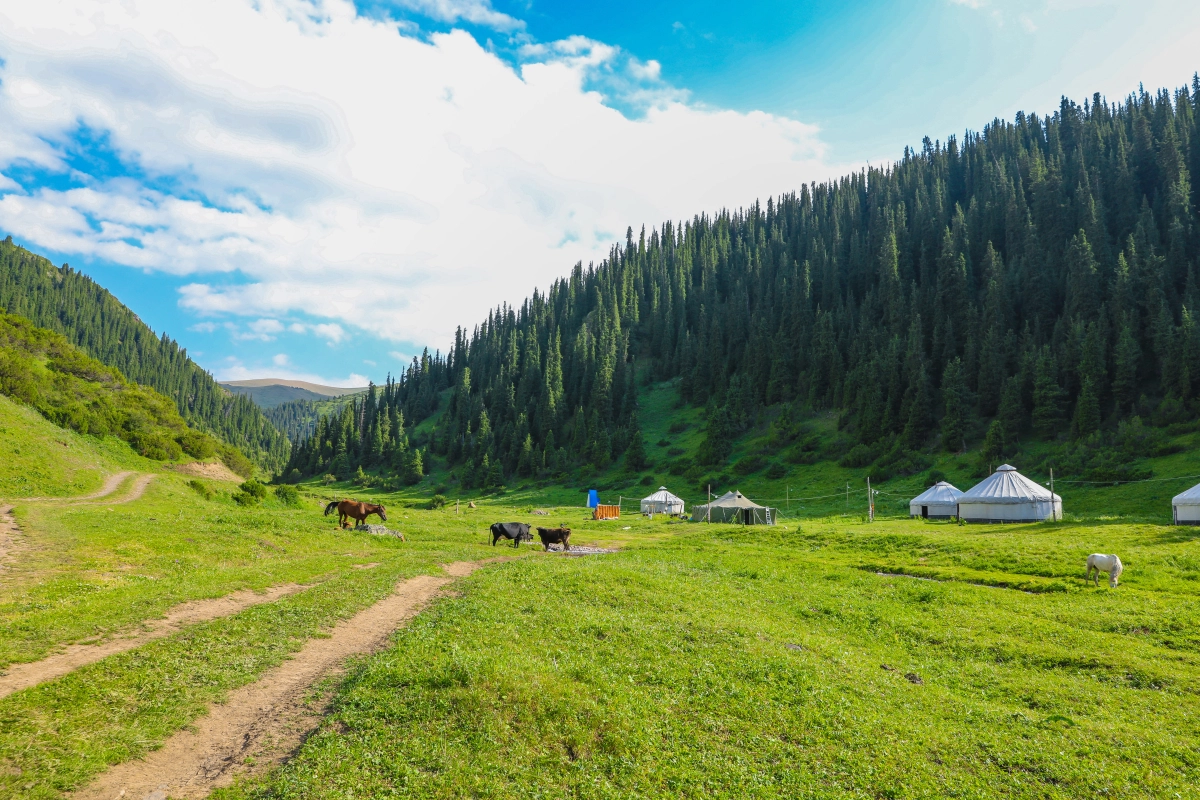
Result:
pixel 1107 564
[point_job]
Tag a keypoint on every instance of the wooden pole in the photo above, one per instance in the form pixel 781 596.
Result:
pixel 1053 511
pixel 456 508
pixel 708 508
pixel 870 503
pixel 789 498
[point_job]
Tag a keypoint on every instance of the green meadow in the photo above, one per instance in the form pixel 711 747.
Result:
pixel 824 657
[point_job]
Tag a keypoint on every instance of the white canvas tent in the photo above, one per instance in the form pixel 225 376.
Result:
pixel 939 501
pixel 1185 508
pixel 1008 496
pixel 662 502
pixel 734 507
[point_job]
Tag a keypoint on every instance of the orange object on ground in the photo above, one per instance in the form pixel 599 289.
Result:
pixel 607 512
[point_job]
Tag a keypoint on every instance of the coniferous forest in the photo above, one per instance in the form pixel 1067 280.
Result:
pixel 1040 279
pixel 74 305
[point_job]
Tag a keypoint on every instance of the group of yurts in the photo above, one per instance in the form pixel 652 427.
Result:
pixel 1004 496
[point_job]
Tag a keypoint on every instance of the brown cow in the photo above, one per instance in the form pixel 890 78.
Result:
pixel 354 510
pixel 551 536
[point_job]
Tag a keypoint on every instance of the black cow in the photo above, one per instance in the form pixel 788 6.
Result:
pixel 517 531
pixel 551 536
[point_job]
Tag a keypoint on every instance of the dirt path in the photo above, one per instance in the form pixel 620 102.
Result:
pixel 22 676
pixel 265 722
pixel 136 491
pixel 10 535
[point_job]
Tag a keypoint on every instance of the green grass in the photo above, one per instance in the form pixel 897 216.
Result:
pixel 722 662
pixel 661 671
pixel 40 459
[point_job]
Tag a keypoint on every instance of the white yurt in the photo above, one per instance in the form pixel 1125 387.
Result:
pixel 1185 508
pixel 939 501
pixel 1008 496
pixel 662 502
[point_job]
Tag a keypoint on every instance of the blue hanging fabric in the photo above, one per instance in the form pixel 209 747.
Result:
pixel 593 498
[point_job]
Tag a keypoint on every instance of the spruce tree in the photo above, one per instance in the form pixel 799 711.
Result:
pixel 954 399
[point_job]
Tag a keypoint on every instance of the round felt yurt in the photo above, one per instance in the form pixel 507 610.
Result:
pixel 939 501
pixel 662 502
pixel 1185 507
pixel 1008 496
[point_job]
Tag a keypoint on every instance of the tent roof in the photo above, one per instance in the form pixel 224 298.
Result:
pixel 1189 498
pixel 940 492
pixel 662 496
pixel 734 499
pixel 1006 485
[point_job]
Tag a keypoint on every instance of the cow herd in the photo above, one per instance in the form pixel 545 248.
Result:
pixel 518 532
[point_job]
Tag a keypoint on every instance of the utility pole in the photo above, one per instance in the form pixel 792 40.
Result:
pixel 456 508
pixel 1053 510
pixel 870 502
pixel 847 496
pixel 708 508
pixel 789 498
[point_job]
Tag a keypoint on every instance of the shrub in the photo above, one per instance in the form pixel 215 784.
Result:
pixel 859 456
pixel 254 489
pixel 328 478
pixel 678 427
pixel 934 476
pixel 749 464
pixel 288 495
pixel 647 480
pixel 437 501
pixel 663 443
pixel 201 489
pixel 246 499
pixel 675 451
pixel 776 471
pixel 293 476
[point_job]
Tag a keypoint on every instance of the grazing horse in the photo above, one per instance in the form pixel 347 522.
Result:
pixel 551 536
pixel 517 531
pixel 1107 564
pixel 354 510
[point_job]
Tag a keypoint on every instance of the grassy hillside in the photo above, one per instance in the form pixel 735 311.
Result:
pixel 75 306
pixel 41 369
pixel 40 459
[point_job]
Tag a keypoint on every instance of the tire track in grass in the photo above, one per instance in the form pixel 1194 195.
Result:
pixel 22 676
pixel 264 722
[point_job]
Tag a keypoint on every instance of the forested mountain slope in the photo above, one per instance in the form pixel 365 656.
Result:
pixel 71 303
pixel 1037 279
pixel 41 369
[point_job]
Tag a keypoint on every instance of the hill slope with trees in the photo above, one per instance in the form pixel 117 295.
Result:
pixel 43 370
pixel 1038 279
pixel 64 300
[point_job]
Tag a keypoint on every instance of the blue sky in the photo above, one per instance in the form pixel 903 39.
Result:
pixel 317 189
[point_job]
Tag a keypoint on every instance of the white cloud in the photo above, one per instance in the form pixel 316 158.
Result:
pixel 204 327
pixel 280 360
pixel 352 171
pixel 478 12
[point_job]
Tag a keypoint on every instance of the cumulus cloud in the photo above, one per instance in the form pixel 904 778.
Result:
pixel 294 157
pixel 235 370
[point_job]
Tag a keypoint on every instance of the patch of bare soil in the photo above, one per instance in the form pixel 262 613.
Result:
pixel 22 676
pixel 261 725
pixel 217 471
pixel 10 535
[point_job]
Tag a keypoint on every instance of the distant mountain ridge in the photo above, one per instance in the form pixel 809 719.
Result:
pixel 90 317
pixel 271 392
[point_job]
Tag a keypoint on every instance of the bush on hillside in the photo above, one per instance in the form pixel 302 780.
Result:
pixel 859 456
pixel 40 368
pixel 200 488
pixel 775 471
pixel 437 501
pixel 749 464
pixel 288 495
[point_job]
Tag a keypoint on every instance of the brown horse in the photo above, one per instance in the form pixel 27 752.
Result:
pixel 354 510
